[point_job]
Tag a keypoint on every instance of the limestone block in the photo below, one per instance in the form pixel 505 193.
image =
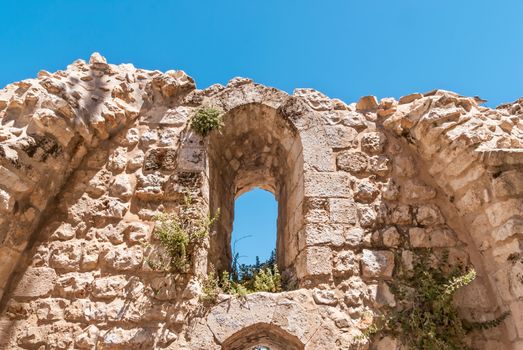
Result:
pixel 367 103
pixel 64 232
pixel 373 142
pixel 508 184
pixel 502 251
pixel 326 185
pixel 315 99
pixel 12 182
pixel 400 214
pixel 110 208
pixel 515 279
pixel 32 337
pixel 468 177
pixel 379 165
pixel 160 158
pixel 428 215
pixel 346 263
pixel 88 338
pixel 18 310
pixel 91 253
pixel 354 162
pixel 354 236
pixel 121 187
pixel 123 258
pixel 365 191
pixel 314 261
pixel 317 209
pixel 110 233
pixel 341 136
pixel 415 190
pixel 150 186
pixel 74 284
pixel 324 297
pixel 109 287
pixel 66 256
pixel 391 237
pixel 435 238
pixel 343 210
pixel 36 282
pixel 50 309
pixel 512 227
pixel 384 295
pixel 119 339
pixel 316 234
pixel 191 159
pixel 131 138
pixel 136 232
pixel 367 216
pixel 117 160
pixel 84 310
pixel 377 263
pixel 405 166
pixel 498 213
pixel 136 160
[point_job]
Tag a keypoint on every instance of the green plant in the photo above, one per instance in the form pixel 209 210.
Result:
pixel 206 120
pixel 180 234
pixel 264 279
pixel 426 317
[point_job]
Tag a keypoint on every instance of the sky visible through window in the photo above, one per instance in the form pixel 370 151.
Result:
pixel 254 228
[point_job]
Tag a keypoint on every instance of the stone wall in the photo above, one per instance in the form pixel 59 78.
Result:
pixel 89 156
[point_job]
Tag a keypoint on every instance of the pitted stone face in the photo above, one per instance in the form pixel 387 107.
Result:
pixel 90 155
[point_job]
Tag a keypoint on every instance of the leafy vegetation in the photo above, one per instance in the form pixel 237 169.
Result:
pixel 206 120
pixel 180 234
pixel 426 317
pixel 244 279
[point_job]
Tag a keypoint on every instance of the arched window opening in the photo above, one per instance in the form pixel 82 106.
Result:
pixel 253 242
pixel 262 336
pixel 256 148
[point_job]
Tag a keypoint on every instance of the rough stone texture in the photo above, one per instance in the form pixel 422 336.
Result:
pixel 89 156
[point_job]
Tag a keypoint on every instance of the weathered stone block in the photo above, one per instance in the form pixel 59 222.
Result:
pixel 109 287
pixel 352 161
pixel 377 263
pixel 36 282
pixel 317 234
pixel 119 339
pixel 74 284
pixel 373 142
pixel 314 261
pixel 346 263
pixel 326 185
pixel 123 258
pixel 66 256
pixel 435 238
pixel 498 213
pixel 343 210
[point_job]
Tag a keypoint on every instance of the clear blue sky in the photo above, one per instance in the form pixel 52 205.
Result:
pixel 343 48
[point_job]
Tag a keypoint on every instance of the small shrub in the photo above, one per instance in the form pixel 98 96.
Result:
pixel 206 120
pixel 179 234
pixel 263 279
pixel 426 317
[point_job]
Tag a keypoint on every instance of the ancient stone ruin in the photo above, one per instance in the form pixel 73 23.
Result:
pixel 90 155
